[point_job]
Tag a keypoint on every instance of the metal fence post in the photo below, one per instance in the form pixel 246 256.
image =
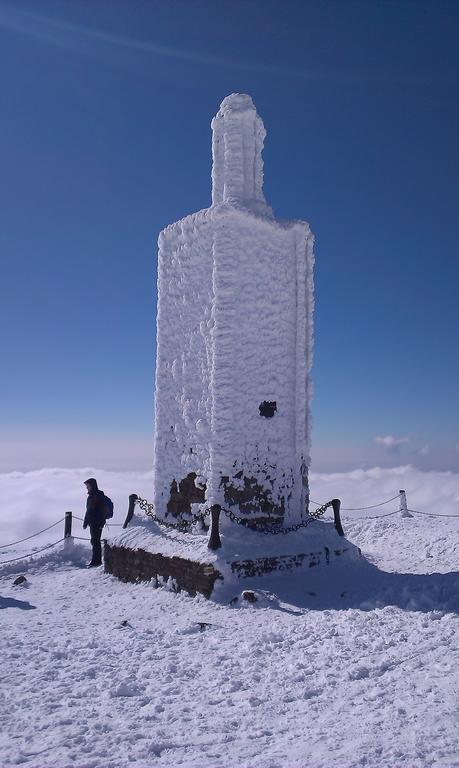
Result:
pixel 68 538
pixel 403 505
pixel 130 514
pixel 336 504
pixel 214 539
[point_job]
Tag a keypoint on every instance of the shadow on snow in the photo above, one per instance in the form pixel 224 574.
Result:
pixel 10 602
pixel 358 585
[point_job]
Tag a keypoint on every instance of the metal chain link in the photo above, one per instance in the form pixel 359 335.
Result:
pixel 185 525
pixel 262 528
pixel 12 543
pixel 30 554
pixel 180 525
pixel 359 509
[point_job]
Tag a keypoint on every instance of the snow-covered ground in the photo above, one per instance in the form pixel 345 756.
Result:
pixel 351 665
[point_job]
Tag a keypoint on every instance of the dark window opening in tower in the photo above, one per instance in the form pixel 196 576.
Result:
pixel 267 408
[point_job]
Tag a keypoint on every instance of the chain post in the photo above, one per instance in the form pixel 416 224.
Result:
pixel 130 513
pixel 403 505
pixel 68 538
pixel 67 525
pixel 336 504
pixel 214 539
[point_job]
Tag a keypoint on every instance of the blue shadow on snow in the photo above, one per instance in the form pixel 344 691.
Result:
pixel 10 602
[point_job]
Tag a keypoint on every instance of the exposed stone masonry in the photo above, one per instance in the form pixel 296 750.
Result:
pixel 133 565
pixel 182 497
pixel 257 567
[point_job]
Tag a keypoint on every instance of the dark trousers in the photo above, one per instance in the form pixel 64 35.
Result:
pixel 96 532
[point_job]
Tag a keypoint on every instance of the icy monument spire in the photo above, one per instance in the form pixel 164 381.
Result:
pixel 238 135
pixel 234 351
pixel 233 386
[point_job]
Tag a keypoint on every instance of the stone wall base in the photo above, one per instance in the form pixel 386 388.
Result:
pixel 137 565
pixel 259 566
pixel 134 565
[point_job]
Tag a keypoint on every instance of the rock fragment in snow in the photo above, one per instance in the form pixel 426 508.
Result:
pixel 20 581
pixel 203 625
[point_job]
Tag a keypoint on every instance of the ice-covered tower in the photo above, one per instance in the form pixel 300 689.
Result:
pixel 234 331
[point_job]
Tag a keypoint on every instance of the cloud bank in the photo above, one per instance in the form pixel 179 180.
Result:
pixel 30 501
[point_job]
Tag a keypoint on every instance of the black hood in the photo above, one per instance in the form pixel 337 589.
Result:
pixel 91 484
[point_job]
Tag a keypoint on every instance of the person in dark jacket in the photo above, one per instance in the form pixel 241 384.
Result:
pixel 95 518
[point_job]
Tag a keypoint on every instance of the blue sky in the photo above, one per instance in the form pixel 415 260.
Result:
pixel 105 110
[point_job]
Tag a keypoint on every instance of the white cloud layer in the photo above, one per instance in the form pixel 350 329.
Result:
pixel 30 501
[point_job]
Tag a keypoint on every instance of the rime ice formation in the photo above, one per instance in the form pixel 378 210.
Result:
pixel 238 134
pixel 235 333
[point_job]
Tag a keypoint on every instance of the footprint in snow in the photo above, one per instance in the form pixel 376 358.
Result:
pixel 196 628
pixel 125 689
pixel 311 693
pixel 359 673
pixel 124 625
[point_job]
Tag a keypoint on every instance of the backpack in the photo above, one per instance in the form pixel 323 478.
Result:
pixel 108 503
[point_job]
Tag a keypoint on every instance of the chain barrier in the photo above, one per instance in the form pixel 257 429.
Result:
pixel 185 525
pixel 181 525
pixel 376 517
pixel 429 514
pixel 371 506
pixel 360 509
pixel 262 528
pixel 38 533
pixel 114 525
pixel 12 543
pixel 31 554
